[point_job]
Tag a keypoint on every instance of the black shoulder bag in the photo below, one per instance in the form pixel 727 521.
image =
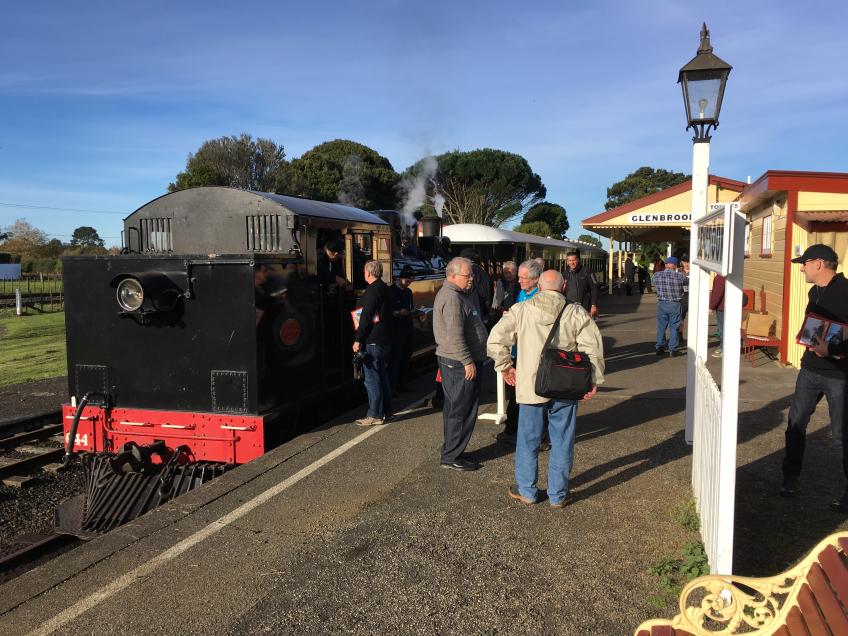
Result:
pixel 562 375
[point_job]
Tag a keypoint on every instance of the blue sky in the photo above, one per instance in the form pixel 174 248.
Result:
pixel 101 102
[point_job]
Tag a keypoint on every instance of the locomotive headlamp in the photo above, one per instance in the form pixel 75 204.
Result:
pixel 130 294
pixel 146 293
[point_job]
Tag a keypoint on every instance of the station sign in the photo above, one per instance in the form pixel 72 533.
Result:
pixel 714 238
pixel 652 218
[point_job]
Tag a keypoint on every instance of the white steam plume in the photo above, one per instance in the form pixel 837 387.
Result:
pixel 439 203
pixel 416 187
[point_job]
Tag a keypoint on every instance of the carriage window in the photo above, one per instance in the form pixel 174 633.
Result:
pixel 363 243
pixel 362 251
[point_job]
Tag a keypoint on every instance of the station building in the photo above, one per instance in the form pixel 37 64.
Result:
pixel 664 216
pixel 786 211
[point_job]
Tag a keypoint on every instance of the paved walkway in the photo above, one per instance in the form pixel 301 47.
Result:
pixel 376 538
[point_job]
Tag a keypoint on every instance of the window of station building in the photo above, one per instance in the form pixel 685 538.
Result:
pixel 765 245
pixel 748 238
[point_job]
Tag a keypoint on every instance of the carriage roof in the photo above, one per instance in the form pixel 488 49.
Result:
pixel 474 233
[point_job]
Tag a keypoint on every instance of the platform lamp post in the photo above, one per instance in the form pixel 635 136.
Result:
pixel 703 81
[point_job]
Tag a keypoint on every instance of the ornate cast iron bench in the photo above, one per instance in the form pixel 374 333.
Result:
pixel 810 599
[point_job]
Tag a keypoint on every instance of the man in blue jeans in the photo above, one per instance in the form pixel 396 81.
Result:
pixel 373 340
pixel 528 324
pixel 670 286
pixel 824 368
pixel 460 349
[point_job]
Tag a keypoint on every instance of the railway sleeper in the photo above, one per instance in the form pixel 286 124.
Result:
pixel 120 488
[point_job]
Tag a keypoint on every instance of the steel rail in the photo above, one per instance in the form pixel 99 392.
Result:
pixel 36 548
pixel 27 436
pixel 24 465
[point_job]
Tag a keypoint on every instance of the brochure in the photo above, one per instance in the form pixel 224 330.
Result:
pixel 816 328
pixel 356 314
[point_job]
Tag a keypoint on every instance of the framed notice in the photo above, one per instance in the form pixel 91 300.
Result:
pixel 816 328
pixel 714 238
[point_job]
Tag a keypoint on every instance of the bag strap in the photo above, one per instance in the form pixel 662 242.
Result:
pixel 555 328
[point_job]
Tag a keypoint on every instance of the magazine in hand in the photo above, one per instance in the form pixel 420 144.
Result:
pixel 356 315
pixel 818 328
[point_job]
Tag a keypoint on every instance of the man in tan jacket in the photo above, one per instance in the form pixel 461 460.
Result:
pixel 528 324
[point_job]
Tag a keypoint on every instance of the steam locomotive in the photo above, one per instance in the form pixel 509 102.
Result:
pixel 208 338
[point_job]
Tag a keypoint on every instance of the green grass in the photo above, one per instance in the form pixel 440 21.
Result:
pixel 686 515
pixel 32 347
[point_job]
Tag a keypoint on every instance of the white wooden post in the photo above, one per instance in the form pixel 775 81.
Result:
pixel 499 416
pixel 700 185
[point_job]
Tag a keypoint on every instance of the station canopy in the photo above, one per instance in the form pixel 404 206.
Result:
pixel 661 216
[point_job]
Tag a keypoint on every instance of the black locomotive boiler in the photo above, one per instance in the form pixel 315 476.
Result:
pixel 213 332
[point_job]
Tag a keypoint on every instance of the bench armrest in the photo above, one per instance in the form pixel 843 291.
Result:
pixel 716 604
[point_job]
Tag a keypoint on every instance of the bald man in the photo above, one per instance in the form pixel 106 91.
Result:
pixel 528 324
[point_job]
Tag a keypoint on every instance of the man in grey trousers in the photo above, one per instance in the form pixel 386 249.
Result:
pixel 460 348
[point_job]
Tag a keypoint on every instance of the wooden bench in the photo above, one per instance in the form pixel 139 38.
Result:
pixel 811 599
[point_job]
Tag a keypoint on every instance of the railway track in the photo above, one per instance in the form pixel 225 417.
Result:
pixel 31 550
pixel 29 443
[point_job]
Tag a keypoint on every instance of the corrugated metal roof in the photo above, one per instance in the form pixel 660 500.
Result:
pixel 321 209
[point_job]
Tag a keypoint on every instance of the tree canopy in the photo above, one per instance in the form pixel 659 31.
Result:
pixel 86 236
pixel 22 239
pixel 536 228
pixel 588 238
pixel 643 181
pixel 552 214
pixel 342 171
pixel 237 162
pixel 483 186
pixel 30 246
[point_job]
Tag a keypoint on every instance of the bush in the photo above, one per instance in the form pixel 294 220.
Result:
pixel 674 573
pixel 43 265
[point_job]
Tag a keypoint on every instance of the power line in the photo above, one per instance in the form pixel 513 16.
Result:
pixel 48 207
pixel 72 236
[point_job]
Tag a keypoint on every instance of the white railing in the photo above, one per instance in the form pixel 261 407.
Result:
pixel 711 414
pixel 707 469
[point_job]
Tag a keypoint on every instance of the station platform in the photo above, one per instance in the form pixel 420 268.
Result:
pixel 360 531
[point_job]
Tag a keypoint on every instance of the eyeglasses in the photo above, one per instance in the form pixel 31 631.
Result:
pixel 469 276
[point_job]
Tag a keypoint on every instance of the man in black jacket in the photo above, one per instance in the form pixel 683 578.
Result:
pixel 580 285
pixel 331 265
pixel 824 368
pixel 373 341
pixel 403 312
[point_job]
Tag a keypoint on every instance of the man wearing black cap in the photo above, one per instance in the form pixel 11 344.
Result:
pixel 403 310
pixel 824 369
pixel 330 264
